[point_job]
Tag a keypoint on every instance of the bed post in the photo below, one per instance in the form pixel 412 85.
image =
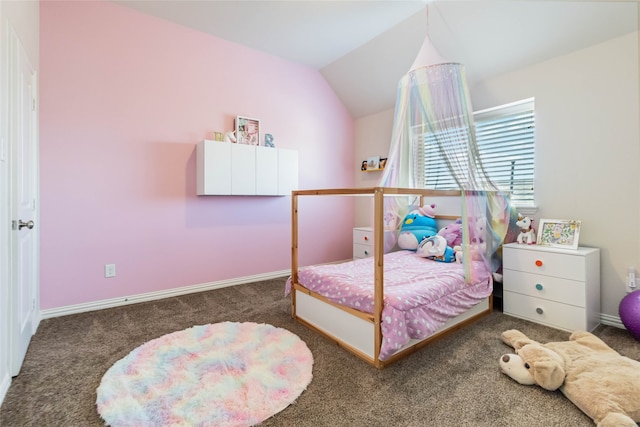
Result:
pixel 378 254
pixel 294 250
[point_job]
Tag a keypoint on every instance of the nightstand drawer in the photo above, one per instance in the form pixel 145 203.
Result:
pixel 363 236
pixel 554 314
pixel 362 251
pixel 546 287
pixel 563 265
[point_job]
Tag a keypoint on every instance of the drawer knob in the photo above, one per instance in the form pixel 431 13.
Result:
pixel 366 238
pixel 539 263
pixel 366 252
pixel 538 286
pixel 539 310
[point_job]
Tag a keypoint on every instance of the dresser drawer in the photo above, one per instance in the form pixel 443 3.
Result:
pixel 551 313
pixel 546 287
pixel 363 236
pixel 362 251
pixel 564 265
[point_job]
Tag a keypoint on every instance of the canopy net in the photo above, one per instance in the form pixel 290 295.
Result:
pixel 433 109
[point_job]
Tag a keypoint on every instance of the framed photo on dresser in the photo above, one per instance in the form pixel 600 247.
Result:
pixel 559 233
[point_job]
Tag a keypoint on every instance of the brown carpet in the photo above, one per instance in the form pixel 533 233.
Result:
pixel 455 381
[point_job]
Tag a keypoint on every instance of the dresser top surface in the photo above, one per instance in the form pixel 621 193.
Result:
pixel 540 248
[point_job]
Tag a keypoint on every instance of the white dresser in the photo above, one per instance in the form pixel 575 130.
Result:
pixel 554 287
pixel 362 242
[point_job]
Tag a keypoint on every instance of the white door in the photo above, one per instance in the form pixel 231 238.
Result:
pixel 23 144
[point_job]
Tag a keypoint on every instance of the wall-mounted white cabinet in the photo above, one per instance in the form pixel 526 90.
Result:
pixel 224 168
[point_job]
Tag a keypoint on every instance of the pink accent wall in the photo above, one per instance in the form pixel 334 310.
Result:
pixel 124 99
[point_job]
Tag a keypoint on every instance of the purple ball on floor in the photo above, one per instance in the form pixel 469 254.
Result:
pixel 629 311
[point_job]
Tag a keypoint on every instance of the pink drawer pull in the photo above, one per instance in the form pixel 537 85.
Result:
pixel 539 263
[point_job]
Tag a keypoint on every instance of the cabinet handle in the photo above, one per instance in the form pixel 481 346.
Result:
pixel 539 263
pixel 539 310
pixel 538 286
pixel 366 252
pixel 366 238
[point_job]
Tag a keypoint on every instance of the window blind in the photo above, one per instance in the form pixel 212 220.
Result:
pixel 506 143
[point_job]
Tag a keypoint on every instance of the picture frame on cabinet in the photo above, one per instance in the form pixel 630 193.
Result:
pixel 247 130
pixel 559 233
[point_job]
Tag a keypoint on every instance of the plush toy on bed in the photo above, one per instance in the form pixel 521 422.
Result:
pixel 452 233
pixel 596 378
pixel 417 226
pixel 436 248
pixel 477 245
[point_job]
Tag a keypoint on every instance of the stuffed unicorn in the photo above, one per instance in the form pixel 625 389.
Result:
pixel 527 233
pixel 436 248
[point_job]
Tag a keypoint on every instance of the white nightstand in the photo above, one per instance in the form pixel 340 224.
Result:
pixel 362 242
pixel 555 287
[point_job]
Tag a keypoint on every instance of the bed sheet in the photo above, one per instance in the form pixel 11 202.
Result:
pixel 420 294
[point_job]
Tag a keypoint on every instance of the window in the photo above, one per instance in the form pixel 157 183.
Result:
pixel 505 139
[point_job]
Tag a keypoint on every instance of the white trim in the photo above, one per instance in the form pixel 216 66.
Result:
pixel 4 387
pixel 151 296
pixel 607 319
pixel 505 109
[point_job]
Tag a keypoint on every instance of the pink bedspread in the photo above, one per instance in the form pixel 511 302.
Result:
pixel 420 295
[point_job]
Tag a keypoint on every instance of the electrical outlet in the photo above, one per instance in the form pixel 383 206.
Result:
pixel 631 280
pixel 110 270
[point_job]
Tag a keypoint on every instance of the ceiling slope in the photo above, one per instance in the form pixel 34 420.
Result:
pixel 363 47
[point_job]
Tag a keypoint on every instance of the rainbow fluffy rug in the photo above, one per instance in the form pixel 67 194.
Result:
pixel 225 374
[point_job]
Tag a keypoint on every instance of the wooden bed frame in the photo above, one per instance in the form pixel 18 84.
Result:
pixel 357 331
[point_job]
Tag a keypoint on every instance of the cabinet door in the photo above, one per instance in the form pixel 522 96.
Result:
pixel 243 170
pixel 213 168
pixel 287 171
pixel 266 171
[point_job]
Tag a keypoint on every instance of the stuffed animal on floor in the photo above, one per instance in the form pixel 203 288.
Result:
pixel 598 380
pixel 417 226
pixel 527 233
pixel 436 248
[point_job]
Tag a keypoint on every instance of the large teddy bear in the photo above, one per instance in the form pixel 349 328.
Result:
pixel 598 380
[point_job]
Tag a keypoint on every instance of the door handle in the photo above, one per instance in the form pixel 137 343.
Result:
pixel 22 224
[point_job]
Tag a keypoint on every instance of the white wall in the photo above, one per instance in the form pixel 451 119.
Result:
pixel 373 136
pixel 587 148
pixel 24 18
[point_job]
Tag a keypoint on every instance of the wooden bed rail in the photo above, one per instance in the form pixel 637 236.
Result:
pixel 378 194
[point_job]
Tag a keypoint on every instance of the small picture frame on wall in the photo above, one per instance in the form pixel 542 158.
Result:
pixel 559 233
pixel 373 163
pixel 247 130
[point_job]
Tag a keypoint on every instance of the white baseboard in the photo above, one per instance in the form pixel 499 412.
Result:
pixel 4 387
pixel 605 319
pixel 151 296
pixel 609 320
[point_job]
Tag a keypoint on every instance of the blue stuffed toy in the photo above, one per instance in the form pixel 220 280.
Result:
pixel 436 248
pixel 417 226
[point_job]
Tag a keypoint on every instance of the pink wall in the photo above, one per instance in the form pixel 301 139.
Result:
pixel 124 98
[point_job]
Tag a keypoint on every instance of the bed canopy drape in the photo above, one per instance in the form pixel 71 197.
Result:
pixel 433 107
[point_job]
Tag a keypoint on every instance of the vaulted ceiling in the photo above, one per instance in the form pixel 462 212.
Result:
pixel 363 47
